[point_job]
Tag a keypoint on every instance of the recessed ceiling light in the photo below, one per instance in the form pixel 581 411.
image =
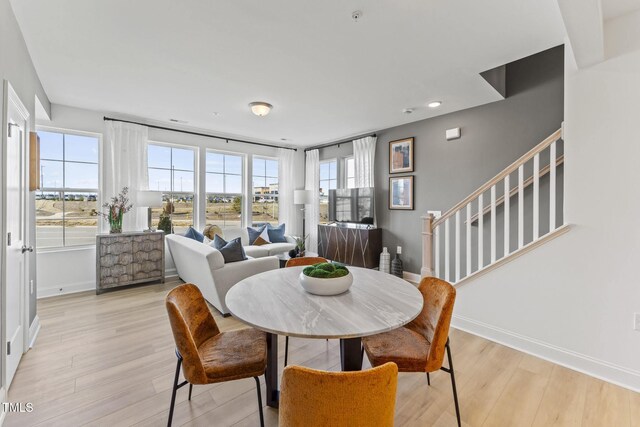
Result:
pixel 260 108
pixel 407 110
pixel 434 104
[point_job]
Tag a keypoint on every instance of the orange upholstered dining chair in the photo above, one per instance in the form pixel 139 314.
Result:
pixel 207 355
pixel 313 398
pixel 298 262
pixel 305 260
pixel 420 345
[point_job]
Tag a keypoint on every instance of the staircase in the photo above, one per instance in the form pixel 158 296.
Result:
pixel 517 210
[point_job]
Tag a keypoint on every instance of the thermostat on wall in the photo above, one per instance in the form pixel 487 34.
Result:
pixel 453 134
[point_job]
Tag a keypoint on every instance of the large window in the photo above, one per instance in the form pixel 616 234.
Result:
pixel 224 189
pixel 350 172
pixel 265 191
pixel 66 205
pixel 171 170
pixel 328 181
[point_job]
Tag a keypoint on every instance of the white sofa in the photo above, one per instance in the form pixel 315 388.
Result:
pixel 269 249
pixel 204 266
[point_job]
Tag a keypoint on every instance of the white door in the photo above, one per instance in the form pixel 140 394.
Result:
pixel 15 276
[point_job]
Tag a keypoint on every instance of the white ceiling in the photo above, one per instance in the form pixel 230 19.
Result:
pixel 327 76
pixel 615 8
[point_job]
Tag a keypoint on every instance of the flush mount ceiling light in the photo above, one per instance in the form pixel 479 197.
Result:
pixel 260 108
pixel 434 104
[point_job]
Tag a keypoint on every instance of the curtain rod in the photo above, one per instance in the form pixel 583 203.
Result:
pixel 344 141
pixel 105 118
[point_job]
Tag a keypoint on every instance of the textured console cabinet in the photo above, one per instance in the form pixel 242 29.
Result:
pixel 128 258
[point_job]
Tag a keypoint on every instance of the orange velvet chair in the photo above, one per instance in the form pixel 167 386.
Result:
pixel 420 345
pixel 313 398
pixel 298 262
pixel 211 356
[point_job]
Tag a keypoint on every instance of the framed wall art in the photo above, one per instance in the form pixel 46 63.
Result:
pixel 401 192
pixel 401 156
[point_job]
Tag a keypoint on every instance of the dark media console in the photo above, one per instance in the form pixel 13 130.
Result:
pixel 352 244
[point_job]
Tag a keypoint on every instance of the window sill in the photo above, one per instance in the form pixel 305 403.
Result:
pixel 64 249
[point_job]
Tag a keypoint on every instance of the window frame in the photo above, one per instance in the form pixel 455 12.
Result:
pixel 253 174
pixel 346 172
pixel 320 180
pixel 64 190
pixel 243 183
pixel 196 175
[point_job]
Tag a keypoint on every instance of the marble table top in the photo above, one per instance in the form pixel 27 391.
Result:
pixel 274 301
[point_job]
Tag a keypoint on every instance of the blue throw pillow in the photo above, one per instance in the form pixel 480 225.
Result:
pixel 254 233
pixel 276 234
pixel 192 233
pixel 218 242
pixel 231 251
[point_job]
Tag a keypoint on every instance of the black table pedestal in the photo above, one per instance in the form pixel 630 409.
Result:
pixel 350 360
pixel 350 354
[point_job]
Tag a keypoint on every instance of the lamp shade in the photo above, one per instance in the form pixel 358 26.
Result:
pixel 150 199
pixel 301 197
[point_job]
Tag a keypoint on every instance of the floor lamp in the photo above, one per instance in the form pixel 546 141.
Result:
pixel 302 197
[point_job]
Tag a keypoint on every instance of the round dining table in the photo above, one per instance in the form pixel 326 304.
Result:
pixel 275 302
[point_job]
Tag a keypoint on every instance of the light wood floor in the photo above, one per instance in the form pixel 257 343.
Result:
pixel 108 360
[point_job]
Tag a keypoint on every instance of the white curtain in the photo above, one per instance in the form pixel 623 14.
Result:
pixel 312 210
pixel 364 154
pixel 286 186
pixel 126 166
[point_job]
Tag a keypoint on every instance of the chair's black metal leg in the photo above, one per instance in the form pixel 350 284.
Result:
pixel 175 390
pixel 286 351
pixel 453 382
pixel 428 379
pixel 190 390
pixel 259 401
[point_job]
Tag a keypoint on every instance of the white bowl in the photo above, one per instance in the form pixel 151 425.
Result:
pixel 335 286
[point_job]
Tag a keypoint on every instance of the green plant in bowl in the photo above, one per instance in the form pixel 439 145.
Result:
pixel 325 270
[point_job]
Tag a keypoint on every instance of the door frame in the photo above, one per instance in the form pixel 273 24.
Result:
pixel 11 98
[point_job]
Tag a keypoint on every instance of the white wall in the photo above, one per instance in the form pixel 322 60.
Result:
pixel 17 68
pixel 73 269
pixel 572 300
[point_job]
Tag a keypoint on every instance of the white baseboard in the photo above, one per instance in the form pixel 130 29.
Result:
pixel 619 375
pixel 67 289
pixel 411 277
pixel 34 329
pixel 86 286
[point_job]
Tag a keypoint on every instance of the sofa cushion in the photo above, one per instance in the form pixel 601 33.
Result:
pixel 232 251
pixel 276 234
pixel 257 251
pixel 194 234
pixel 254 233
pixel 278 248
pixel 233 232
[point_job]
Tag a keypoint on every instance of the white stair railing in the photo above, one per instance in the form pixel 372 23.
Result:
pixel 455 255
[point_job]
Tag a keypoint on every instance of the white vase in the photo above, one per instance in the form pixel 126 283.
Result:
pixel 385 261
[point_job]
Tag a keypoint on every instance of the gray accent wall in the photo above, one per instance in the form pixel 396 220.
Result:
pixel 493 136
